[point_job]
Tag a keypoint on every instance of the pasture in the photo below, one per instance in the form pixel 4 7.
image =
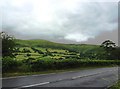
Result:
pixel 41 55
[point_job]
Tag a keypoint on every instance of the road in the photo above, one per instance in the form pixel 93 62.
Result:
pixel 99 77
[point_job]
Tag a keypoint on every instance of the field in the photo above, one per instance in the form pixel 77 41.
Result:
pixel 42 55
pixel 42 48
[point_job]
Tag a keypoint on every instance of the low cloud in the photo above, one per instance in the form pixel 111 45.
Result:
pixel 73 20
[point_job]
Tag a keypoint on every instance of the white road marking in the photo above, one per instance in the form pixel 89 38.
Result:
pixel 34 85
pixel 61 80
pixel 51 82
pixel 90 74
pixel 76 77
pixel 38 75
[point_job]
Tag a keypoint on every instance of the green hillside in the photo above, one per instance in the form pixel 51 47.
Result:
pixel 48 44
pixel 43 48
pixel 40 55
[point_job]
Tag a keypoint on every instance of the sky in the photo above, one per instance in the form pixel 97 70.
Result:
pixel 63 21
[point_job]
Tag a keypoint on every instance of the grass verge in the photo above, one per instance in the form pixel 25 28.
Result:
pixel 116 86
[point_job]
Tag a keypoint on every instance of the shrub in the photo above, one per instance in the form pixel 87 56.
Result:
pixel 28 61
pixel 9 64
pixel 41 64
pixel 46 63
pixel 26 51
pixel 28 55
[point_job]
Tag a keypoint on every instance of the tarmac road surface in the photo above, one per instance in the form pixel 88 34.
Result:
pixel 97 78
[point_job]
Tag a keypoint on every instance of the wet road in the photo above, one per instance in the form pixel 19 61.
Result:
pixel 99 77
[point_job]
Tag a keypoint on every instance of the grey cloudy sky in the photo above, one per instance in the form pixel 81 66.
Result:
pixel 64 21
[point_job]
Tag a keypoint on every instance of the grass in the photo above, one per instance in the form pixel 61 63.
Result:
pixel 50 71
pixel 47 44
pixel 57 50
pixel 116 86
pixel 53 57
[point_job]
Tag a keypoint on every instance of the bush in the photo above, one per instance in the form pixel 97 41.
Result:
pixel 28 61
pixel 26 51
pixel 42 64
pixel 47 63
pixel 9 64
pixel 28 54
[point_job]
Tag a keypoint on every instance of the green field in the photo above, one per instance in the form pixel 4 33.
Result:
pixel 42 55
pixel 54 50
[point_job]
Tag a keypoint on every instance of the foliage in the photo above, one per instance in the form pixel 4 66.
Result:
pixel 107 50
pixel 37 55
pixel 108 45
pixel 111 50
pixel 28 54
pixel 9 64
pixel 8 44
pixel 26 51
pixel 116 86
pixel 46 63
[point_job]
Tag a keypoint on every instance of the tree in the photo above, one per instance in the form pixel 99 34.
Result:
pixel 116 53
pixel 8 44
pixel 109 47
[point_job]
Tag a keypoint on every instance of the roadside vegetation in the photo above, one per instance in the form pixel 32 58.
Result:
pixel 116 86
pixel 40 55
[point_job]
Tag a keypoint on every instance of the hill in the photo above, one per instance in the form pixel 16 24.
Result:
pixel 48 44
